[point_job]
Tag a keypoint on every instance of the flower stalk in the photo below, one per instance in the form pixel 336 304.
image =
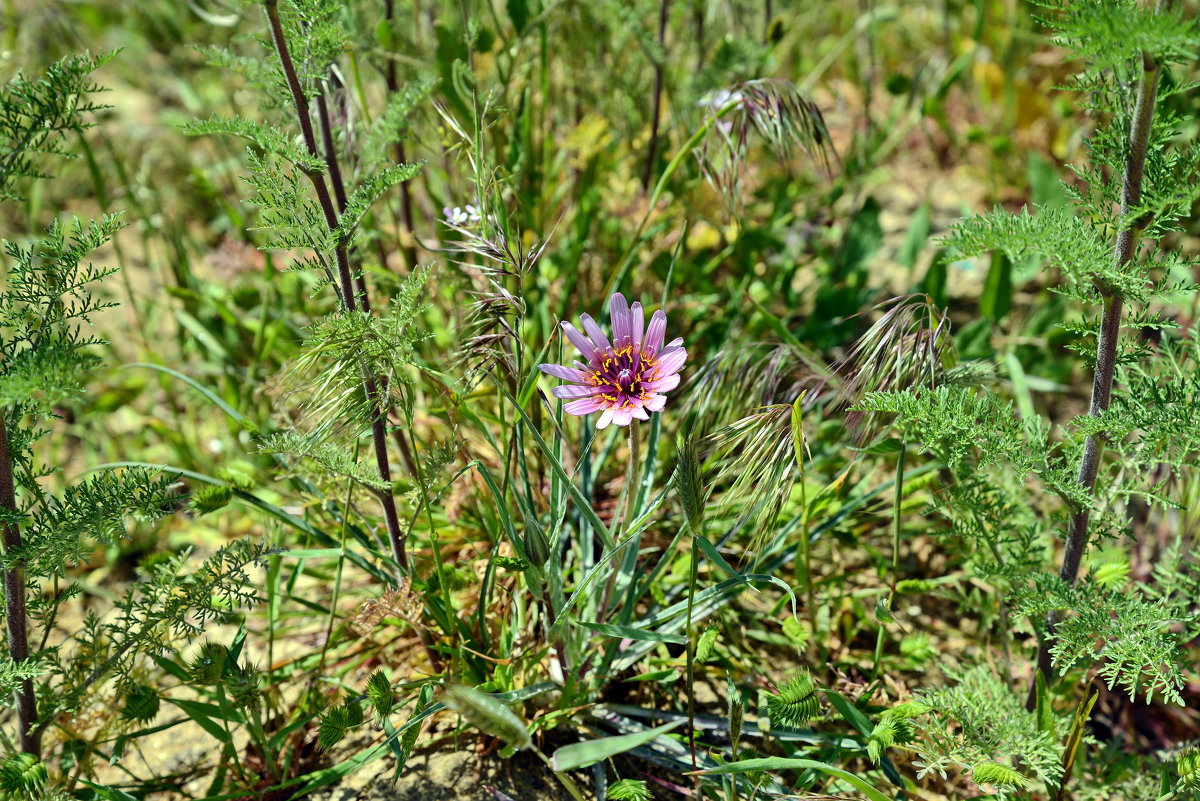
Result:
pixel 635 476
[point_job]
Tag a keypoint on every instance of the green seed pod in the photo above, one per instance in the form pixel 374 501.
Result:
pixel 796 701
pixel 908 709
pixel 487 714
pixel 208 665
pixel 689 483
pixel 334 725
pixel 537 547
pixel 141 704
pixel 1188 765
pixel 379 692
pixel 22 773
pixel 705 644
pixel 992 773
pixel 797 635
pixel 210 499
pixel 736 711
pixel 914 586
pixel 1112 575
pixel 245 687
pixel 628 790
pixel 238 474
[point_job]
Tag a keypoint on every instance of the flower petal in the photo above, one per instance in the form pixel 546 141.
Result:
pixel 584 406
pixel 655 332
pixel 567 391
pixel 565 373
pixel 637 321
pixel 640 413
pixel 581 343
pixel 671 362
pixel 622 417
pixel 605 419
pixel 594 332
pixel 618 315
pixel 668 350
pixel 664 384
pixel 656 403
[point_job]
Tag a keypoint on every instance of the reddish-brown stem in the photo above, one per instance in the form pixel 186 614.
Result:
pixel 1110 330
pixel 348 291
pixel 406 205
pixel 339 190
pixel 656 111
pixel 14 598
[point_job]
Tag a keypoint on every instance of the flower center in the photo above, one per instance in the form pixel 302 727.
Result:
pixel 623 370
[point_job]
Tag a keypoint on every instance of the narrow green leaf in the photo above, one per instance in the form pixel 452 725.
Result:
pixel 582 755
pixel 312 553
pixel 581 502
pixel 852 714
pixel 1044 713
pixel 196 713
pixel 630 633
pixel 780 763
pixel 211 396
pixel 715 557
pixel 107 793
pixel 1074 738
pixel 997 289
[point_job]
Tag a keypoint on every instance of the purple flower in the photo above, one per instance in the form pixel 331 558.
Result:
pixel 623 379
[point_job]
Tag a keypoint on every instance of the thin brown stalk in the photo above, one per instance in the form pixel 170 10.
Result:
pixel 335 175
pixel 339 189
pixel 406 203
pixel 348 290
pixel 14 598
pixel 656 112
pixel 1110 329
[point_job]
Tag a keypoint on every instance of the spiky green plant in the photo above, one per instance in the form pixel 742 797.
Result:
pixel 796 702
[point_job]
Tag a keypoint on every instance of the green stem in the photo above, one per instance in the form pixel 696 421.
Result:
pixel 693 576
pixel 899 496
pixel 566 780
pixel 337 581
pixel 806 548
pixel 635 475
pixel 226 714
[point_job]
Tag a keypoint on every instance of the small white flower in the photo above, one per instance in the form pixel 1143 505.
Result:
pixel 457 215
pixel 720 99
